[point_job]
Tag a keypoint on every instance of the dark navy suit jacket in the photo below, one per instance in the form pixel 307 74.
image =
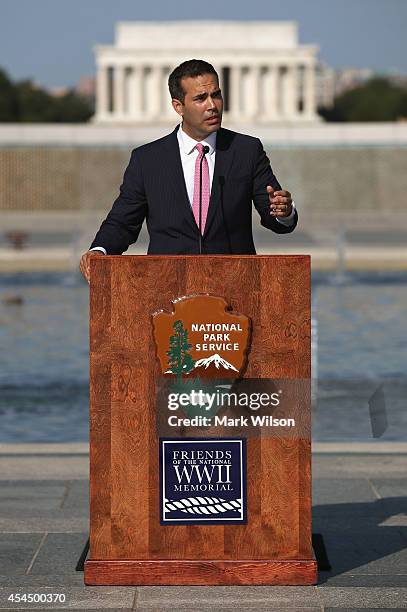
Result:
pixel 154 190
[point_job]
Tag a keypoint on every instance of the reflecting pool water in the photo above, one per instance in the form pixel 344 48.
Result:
pixel 360 357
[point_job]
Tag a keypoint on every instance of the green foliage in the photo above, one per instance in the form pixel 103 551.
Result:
pixel 8 99
pixel 376 100
pixel 72 108
pixel 179 359
pixel 24 102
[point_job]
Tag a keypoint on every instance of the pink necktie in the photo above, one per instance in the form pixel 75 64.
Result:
pixel 205 188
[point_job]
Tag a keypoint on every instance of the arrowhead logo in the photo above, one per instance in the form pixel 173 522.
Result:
pixel 201 338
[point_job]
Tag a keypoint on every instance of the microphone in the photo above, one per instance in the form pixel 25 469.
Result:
pixel 205 150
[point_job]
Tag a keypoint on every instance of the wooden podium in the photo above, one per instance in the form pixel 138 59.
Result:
pixel 129 545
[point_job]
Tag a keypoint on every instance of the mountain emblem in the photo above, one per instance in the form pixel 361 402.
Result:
pixel 217 361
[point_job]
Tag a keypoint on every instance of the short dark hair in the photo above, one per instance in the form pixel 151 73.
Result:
pixel 190 68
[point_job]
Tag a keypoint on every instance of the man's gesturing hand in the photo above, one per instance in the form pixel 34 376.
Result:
pixel 281 203
pixel 84 265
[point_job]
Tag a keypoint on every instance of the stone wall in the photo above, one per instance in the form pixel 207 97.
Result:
pixel 76 178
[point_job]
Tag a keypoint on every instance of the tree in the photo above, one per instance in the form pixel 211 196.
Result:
pixel 179 359
pixel 71 108
pixel 36 105
pixel 376 100
pixel 8 99
pixel 25 102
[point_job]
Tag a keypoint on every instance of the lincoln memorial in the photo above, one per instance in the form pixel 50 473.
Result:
pixel 265 75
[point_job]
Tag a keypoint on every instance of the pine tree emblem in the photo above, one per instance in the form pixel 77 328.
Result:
pixel 179 359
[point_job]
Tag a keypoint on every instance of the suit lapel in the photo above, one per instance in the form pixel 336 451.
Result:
pixel 223 160
pixel 177 179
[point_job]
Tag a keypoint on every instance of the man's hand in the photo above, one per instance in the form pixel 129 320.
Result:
pixel 84 265
pixel 281 204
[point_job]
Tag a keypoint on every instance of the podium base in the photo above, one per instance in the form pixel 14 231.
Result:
pixel 194 573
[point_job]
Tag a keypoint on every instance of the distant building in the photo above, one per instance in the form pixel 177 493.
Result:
pixel 332 83
pixel 325 85
pixel 398 79
pixel 266 75
pixel 86 86
pixel 350 78
pixel 57 92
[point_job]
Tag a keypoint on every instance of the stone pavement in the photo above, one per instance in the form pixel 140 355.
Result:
pixel 359 508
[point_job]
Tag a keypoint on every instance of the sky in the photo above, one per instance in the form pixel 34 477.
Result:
pixel 51 41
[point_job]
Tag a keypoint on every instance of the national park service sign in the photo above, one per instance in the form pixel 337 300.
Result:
pixel 201 338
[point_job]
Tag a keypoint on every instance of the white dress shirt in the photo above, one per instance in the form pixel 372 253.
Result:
pixel 188 154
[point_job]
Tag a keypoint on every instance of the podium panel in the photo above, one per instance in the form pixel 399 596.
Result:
pixel 151 319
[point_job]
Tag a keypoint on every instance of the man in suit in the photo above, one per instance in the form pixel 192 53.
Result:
pixel 199 177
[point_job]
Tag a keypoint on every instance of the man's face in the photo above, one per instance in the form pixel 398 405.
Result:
pixel 203 106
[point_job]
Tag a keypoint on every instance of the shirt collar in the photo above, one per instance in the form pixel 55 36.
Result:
pixel 188 144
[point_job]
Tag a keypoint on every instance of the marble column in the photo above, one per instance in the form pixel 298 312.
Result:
pixel 253 92
pixel 270 93
pixel 134 93
pixel 290 92
pixel 102 95
pixel 153 93
pixel 126 92
pixel 118 91
pixel 235 92
pixel 219 70
pixel 309 91
pixel 168 112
